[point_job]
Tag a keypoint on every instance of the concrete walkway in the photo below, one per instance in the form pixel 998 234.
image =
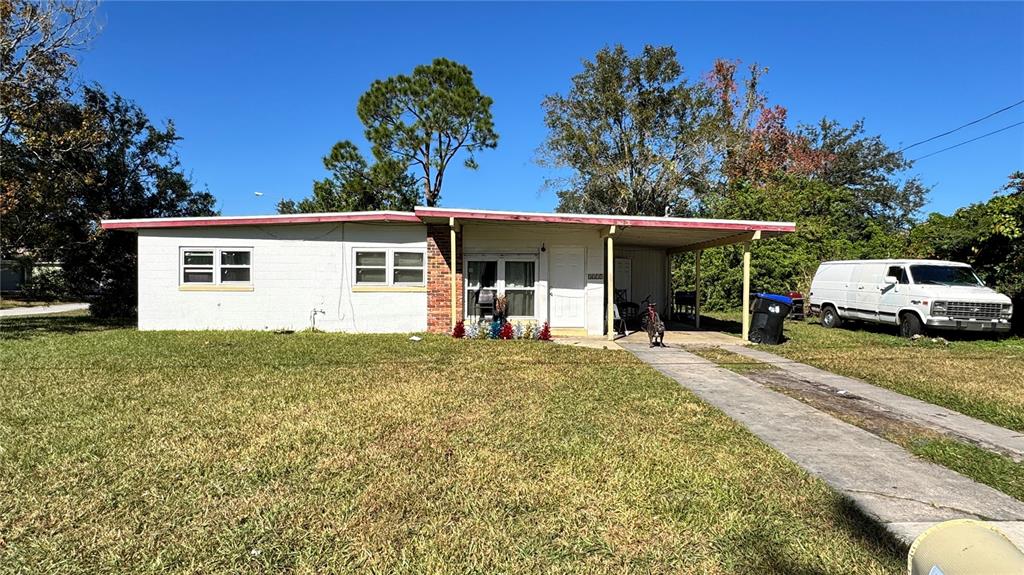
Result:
pixel 904 494
pixel 946 421
pixel 688 337
pixel 42 309
pixel 672 338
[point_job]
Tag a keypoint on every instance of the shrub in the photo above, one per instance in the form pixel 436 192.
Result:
pixel 545 332
pixel 459 331
pixel 47 285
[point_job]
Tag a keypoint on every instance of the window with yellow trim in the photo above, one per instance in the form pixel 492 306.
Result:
pixel 390 267
pixel 230 266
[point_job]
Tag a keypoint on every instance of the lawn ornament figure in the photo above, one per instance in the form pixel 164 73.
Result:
pixel 501 308
pixel 653 325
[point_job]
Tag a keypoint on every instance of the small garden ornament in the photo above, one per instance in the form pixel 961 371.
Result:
pixel 501 308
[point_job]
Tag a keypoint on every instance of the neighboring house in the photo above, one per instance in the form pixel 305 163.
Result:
pixel 15 272
pixel 392 271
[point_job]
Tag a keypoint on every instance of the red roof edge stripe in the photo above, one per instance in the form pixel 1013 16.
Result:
pixel 422 214
pixel 258 220
pixel 611 220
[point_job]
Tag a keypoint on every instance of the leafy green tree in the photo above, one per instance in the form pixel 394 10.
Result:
pixel 423 120
pixel 356 186
pixel 843 189
pixel 129 171
pixel 637 138
pixel 74 156
pixel 868 167
pixel 824 232
pixel 634 134
pixel 38 41
pixel 37 45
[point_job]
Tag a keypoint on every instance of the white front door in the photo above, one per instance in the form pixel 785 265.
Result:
pixel 568 286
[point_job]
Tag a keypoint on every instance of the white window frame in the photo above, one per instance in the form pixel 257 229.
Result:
pixel 221 266
pixel 389 266
pixel 422 267
pixel 212 267
pixel 355 266
pixel 217 266
pixel 499 284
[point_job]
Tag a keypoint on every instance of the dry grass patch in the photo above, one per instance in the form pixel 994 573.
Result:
pixel 204 452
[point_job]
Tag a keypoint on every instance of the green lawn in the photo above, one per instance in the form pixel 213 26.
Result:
pixel 983 378
pixel 204 452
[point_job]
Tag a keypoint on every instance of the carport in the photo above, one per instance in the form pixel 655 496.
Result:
pixel 640 247
pixel 674 236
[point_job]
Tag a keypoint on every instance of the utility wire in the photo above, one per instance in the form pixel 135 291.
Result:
pixel 971 123
pixel 969 141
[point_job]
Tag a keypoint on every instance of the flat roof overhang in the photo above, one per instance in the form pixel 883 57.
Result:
pixel 276 219
pixel 676 234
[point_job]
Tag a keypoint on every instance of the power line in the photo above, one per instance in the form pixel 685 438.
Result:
pixel 971 123
pixel 969 141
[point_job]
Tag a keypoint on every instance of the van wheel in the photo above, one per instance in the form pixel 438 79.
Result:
pixel 910 325
pixel 830 318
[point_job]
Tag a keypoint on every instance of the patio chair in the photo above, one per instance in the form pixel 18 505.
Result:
pixel 485 303
pixel 630 313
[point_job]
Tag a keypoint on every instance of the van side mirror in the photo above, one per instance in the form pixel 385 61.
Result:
pixel 891 280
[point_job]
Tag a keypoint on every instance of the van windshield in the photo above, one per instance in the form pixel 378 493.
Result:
pixel 945 275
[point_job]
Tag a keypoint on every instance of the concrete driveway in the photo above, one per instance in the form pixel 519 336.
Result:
pixel 904 494
pixel 42 309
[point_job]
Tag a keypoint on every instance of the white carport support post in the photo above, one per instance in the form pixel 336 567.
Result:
pixel 746 285
pixel 453 231
pixel 610 283
pixel 696 290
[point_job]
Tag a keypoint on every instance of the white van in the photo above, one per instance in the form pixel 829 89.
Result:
pixel 913 294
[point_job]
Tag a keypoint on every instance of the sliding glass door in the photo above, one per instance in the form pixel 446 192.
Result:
pixel 487 277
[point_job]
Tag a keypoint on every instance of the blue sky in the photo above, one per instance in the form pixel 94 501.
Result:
pixel 261 91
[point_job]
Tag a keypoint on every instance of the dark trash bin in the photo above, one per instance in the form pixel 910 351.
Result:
pixel 769 311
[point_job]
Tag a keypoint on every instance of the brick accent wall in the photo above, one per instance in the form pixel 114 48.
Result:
pixel 439 269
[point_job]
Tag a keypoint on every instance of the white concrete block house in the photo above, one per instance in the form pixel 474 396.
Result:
pixel 392 271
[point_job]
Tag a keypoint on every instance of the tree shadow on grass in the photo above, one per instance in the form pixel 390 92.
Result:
pixel 733 327
pixel 862 530
pixel 29 327
pixel 730 326
pixel 869 531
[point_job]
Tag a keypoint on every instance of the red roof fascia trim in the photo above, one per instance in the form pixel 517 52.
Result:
pixel 255 221
pixel 608 221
